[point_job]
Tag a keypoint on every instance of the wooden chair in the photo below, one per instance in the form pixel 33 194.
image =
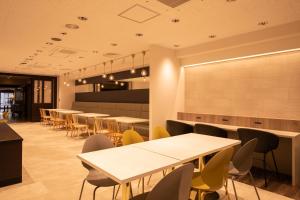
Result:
pixel 114 132
pixel 100 127
pixel 55 120
pixel 69 124
pixel 77 126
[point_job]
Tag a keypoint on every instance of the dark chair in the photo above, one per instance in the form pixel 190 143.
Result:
pixel 267 142
pixel 174 186
pixel 94 177
pixel 210 130
pixel 241 164
pixel 178 128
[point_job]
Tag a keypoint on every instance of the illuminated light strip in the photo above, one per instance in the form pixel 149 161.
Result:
pixel 242 57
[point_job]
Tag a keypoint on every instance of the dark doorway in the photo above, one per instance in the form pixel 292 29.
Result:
pixel 23 95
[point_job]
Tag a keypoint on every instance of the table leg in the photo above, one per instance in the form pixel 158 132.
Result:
pixel 201 163
pixel 295 161
pixel 125 191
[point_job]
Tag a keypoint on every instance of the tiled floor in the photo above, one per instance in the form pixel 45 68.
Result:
pixel 51 170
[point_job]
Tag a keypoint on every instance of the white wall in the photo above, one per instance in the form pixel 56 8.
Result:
pixel 166 86
pixel 66 95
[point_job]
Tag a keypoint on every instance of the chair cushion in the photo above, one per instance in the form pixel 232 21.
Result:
pixel 198 183
pixel 140 197
pixel 98 179
pixel 234 171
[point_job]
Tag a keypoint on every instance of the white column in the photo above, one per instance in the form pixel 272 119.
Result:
pixel 166 86
pixel 66 94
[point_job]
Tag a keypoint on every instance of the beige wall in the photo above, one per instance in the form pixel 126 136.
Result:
pixel 66 95
pixel 166 86
pixel 267 86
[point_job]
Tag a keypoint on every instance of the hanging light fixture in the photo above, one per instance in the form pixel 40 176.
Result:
pixel 111 76
pixel 132 68
pixel 144 72
pixel 79 79
pixel 104 74
pixel 65 82
pixel 122 84
pixel 117 82
pixel 84 80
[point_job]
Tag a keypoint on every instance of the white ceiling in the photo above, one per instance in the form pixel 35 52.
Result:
pixel 26 26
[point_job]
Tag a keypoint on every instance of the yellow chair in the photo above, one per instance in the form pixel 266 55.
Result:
pixel 160 132
pixel 131 137
pixel 214 175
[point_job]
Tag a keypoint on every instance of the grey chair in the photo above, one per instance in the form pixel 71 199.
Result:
pixel 94 177
pixel 241 164
pixel 174 186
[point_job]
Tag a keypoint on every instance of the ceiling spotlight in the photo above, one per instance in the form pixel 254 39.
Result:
pixel 175 20
pixel 122 84
pixel 63 33
pixel 176 45
pixel 113 44
pixel 56 39
pixel 49 43
pixel 23 63
pixel 116 82
pixel 82 18
pixel 84 81
pixel 139 34
pixel 212 36
pixel 262 23
pixel 95 51
pixel 72 26
pixel 80 57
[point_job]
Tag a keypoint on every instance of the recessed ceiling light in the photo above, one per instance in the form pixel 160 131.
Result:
pixel 262 23
pixel 56 39
pixel 82 18
pixel 139 34
pixel 49 43
pixel 39 51
pixel 230 1
pixel 72 26
pixel 95 51
pixel 113 44
pixel 175 20
pixel 35 54
pixel 64 33
pixel 176 45
pixel 80 57
pixel 212 36
pixel 23 63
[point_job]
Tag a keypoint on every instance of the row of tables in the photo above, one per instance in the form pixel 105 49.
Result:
pixel 122 119
pixel 127 163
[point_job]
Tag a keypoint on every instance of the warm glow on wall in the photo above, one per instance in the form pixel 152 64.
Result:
pixel 242 57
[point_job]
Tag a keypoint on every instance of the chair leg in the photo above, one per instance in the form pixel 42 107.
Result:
pixel 226 190
pixel 253 183
pixel 94 193
pixel 82 189
pixel 117 191
pixel 148 182
pixel 265 171
pixel 275 164
pixel 234 189
pixel 113 196
pixel 131 193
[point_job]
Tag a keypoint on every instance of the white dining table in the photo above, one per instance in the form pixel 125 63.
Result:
pixel 92 115
pixel 127 163
pixel 131 121
pixel 64 112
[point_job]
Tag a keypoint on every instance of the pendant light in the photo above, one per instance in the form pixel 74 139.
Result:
pixel 132 68
pixel 79 79
pixel 68 78
pixel 84 80
pixel 65 82
pixel 111 76
pixel 104 74
pixel 144 72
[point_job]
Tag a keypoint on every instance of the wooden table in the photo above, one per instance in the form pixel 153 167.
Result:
pixel 92 115
pixel 128 120
pixel 128 163
pixel 65 112
pixel 294 136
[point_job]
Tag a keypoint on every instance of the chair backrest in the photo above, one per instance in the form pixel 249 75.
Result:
pixel 98 125
pixel 75 118
pixel 95 143
pixel 178 128
pixel 174 186
pixel 69 119
pixel 131 137
pixel 112 126
pixel 41 112
pixel 210 130
pixel 215 171
pixel 243 158
pixel 266 141
pixel 160 132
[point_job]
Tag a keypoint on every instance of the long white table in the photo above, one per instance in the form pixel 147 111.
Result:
pixel 294 136
pixel 128 163
pixel 92 115
pixel 128 120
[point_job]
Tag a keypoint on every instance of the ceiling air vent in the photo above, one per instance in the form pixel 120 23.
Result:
pixel 173 3
pixel 138 13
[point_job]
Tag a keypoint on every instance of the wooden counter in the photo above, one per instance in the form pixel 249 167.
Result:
pixel 10 156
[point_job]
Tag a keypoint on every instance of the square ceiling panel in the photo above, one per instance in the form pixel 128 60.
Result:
pixel 139 14
pixel 173 3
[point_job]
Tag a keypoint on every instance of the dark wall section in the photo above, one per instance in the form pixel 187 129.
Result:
pixel 123 96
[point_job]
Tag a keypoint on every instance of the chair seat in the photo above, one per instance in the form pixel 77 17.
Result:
pixel 80 125
pixel 98 179
pixel 140 197
pixel 234 171
pixel 198 183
